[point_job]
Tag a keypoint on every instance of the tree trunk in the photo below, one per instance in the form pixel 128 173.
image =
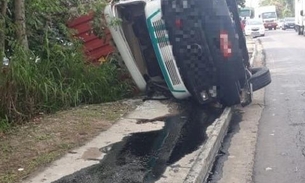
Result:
pixel 20 23
pixel 3 5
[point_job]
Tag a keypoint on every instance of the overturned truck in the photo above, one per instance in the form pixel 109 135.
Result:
pixel 186 48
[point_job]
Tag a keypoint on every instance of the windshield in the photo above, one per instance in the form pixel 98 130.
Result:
pixel 268 15
pixel 245 13
pixel 254 22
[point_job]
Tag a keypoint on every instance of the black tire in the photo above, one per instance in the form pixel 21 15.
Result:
pixel 260 78
pixel 301 30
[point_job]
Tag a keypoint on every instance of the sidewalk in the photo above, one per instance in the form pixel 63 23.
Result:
pixel 90 153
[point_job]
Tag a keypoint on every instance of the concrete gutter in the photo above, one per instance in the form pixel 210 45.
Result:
pixel 195 167
pixel 254 52
pixel 205 160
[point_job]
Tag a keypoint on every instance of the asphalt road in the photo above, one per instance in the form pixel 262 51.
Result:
pixel 280 154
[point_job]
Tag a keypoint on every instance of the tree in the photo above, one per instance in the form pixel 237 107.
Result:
pixel 284 7
pixel 20 22
pixel 3 5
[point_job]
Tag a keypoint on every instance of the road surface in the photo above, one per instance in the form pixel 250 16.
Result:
pixel 280 152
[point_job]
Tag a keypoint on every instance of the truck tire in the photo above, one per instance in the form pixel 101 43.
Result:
pixel 260 78
pixel 300 30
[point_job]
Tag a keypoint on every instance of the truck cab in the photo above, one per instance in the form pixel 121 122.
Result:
pixel 268 15
pixel 143 43
pixel 299 16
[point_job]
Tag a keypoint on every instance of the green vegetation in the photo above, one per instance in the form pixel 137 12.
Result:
pixel 285 8
pixel 47 71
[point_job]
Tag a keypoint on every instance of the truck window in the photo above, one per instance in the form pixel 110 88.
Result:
pixel 245 13
pixel 267 15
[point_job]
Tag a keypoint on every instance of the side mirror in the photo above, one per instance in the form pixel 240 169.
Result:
pixel 301 13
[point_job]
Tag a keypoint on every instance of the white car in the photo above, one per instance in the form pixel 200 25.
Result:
pixel 280 23
pixel 254 27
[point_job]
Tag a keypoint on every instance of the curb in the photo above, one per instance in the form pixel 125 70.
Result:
pixel 254 52
pixel 203 164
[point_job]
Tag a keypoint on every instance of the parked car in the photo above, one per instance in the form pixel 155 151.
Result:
pixel 289 23
pixel 170 46
pixel 254 28
pixel 280 23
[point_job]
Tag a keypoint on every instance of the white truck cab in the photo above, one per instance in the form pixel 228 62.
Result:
pixel 268 15
pixel 299 16
pixel 143 43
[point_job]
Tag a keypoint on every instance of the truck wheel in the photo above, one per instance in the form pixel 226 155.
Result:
pixel 260 78
pixel 300 30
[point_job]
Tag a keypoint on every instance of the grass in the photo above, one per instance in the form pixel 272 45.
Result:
pixel 4 126
pixel 58 80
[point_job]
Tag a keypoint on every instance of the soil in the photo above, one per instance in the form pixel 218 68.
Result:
pixel 28 148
